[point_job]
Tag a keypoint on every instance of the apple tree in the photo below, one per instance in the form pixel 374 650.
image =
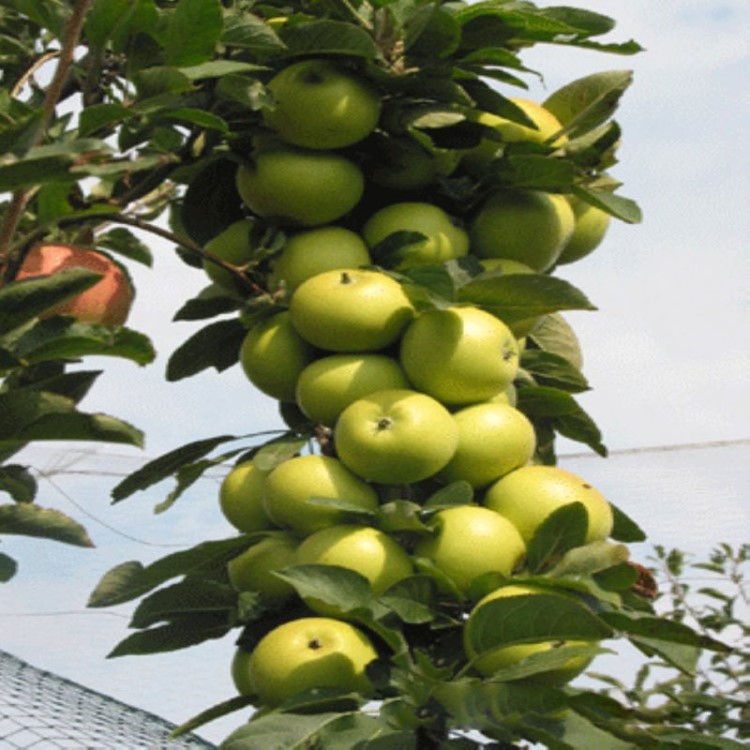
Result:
pixel 378 216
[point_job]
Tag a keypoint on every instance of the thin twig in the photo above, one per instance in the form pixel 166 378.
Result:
pixel 29 74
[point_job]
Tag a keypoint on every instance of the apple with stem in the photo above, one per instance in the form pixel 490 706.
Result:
pixel 398 436
pixel 302 654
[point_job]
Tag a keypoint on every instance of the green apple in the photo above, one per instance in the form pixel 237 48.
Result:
pixel 300 187
pixel 469 541
pixel 241 498
pixel 291 485
pixel 459 355
pixel 232 245
pixel 363 549
pixel 302 654
pixel 396 436
pixel 525 225
pixel 320 105
pixel 526 496
pixel 350 310
pixel 273 354
pixel 491 662
pixel 493 439
pixel 547 125
pixel 444 239
pixel 310 252
pixel 253 570
pixel 591 224
pixel 328 385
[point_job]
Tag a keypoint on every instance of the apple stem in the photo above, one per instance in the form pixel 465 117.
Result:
pixel 315 644
pixel 385 423
pixel 346 278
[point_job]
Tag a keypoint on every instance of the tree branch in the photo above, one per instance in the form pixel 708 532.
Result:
pixel 65 60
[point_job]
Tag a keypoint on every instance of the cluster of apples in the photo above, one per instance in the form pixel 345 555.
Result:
pixel 408 399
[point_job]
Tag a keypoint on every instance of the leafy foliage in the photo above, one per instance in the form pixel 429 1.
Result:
pixel 170 98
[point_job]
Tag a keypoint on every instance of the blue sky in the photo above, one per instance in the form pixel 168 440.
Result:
pixel 667 354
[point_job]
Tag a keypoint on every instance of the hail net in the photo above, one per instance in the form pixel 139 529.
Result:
pixel 43 711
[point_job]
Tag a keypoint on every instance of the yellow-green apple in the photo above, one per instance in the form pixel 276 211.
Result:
pixel 493 439
pixel 363 549
pixel 291 485
pixel 507 396
pixel 527 496
pixel 459 355
pixel 107 302
pixel 300 187
pixel 530 226
pixel 302 654
pixel 232 245
pixel 444 239
pixel 591 224
pixel 329 384
pixel 546 126
pixel 396 436
pixel 241 498
pixel 253 569
pixel 350 310
pixel 273 354
pixel 310 252
pixel 492 661
pixel 320 105
pixel 469 541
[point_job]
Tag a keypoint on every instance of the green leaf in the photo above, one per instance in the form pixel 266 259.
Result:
pixel 278 450
pixel 333 731
pixel 217 345
pixel 432 33
pixel 183 632
pixel 625 529
pixel 483 704
pixel 18 482
pixel 188 597
pixel 123 242
pixel 8 567
pixel 74 385
pixel 586 103
pixel 545 401
pixel 66 338
pixel 343 589
pixel 621 208
pixel 100 117
pixel 514 297
pixel 218 69
pixel 554 334
pixel 33 415
pixel 401 515
pixel 532 172
pixel 167 464
pixel 27 519
pixel 130 580
pixel 412 599
pixel 192 116
pixel 194 30
pixel 585 560
pixel 250 32
pixel 42 165
pixel 22 301
pixel 563 530
pixel 578 425
pixel 554 370
pixel 529 618
pixel 328 37
pixel 455 493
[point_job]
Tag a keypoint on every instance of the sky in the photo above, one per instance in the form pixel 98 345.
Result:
pixel 667 354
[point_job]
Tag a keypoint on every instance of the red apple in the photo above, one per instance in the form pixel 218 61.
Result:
pixel 107 302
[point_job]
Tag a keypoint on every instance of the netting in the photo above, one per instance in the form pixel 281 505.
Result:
pixel 43 711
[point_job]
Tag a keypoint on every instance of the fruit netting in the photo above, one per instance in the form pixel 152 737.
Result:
pixel 43 711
